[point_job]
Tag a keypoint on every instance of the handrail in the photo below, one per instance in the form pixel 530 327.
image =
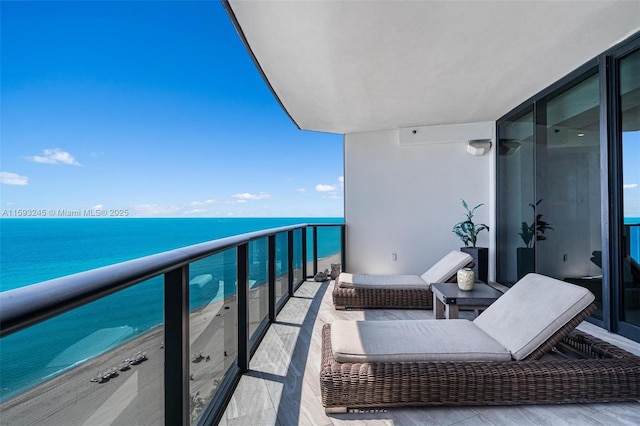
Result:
pixel 25 306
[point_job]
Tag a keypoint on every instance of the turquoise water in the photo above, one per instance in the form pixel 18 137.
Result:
pixel 634 237
pixel 35 250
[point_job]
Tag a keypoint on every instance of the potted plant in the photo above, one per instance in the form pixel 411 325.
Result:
pixel 530 233
pixel 468 231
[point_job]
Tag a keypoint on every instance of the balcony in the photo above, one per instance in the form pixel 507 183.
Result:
pixel 251 357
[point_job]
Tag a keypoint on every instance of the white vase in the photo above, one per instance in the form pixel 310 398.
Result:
pixel 466 278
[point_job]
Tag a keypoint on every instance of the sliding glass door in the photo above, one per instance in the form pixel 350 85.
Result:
pixel 568 186
pixel 567 204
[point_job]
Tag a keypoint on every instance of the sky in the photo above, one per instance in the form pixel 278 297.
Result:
pixel 153 108
pixel 631 174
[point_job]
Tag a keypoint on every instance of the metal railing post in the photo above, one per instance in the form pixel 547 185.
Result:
pixel 243 308
pixel 290 261
pixel 176 344
pixel 271 272
pixel 315 250
pixel 343 247
pixel 303 243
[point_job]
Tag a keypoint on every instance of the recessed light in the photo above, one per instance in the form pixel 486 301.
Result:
pixel 580 134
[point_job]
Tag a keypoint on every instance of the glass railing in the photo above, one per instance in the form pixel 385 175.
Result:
pixel 632 236
pixel 326 245
pixel 165 338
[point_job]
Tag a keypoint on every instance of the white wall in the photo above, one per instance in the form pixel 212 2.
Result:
pixel 405 199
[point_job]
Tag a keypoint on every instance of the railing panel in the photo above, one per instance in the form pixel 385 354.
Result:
pixel 312 250
pixel 81 376
pixel 282 276
pixel 213 333
pixel 633 230
pixel 329 246
pixel 297 256
pixel 258 283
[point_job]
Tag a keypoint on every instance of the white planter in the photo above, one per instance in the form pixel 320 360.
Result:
pixel 466 278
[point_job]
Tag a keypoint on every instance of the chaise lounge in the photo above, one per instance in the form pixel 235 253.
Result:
pixel 521 350
pixel 396 291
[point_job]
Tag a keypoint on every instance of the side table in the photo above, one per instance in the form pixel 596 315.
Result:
pixel 448 299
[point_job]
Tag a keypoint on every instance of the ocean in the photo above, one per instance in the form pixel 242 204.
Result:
pixel 35 250
pixel 633 228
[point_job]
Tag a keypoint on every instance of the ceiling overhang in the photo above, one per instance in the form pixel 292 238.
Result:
pixel 355 66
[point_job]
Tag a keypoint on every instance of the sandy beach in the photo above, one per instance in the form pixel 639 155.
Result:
pixel 135 396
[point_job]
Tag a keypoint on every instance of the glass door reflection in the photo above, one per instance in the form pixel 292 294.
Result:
pixel 629 99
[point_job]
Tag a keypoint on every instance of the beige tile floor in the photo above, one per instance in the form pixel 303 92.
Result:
pixel 283 388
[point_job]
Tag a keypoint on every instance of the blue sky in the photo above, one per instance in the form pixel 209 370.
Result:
pixel 153 107
pixel 631 173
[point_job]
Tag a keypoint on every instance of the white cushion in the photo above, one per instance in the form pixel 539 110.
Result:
pixel 413 341
pixel 532 311
pixel 442 271
pixel 446 267
pixel 347 280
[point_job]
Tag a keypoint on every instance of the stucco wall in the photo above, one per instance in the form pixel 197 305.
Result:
pixel 405 199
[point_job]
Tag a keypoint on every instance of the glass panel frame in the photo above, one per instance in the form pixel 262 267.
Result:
pixel 297 257
pixel 213 331
pixel 258 283
pixel 282 266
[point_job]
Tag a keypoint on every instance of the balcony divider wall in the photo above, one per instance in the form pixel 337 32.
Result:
pixel 245 269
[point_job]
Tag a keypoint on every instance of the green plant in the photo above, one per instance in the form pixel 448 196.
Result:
pixel 535 228
pixel 466 230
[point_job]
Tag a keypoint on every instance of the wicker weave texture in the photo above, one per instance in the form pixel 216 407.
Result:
pixel 382 298
pixel 385 298
pixel 560 334
pixel 608 374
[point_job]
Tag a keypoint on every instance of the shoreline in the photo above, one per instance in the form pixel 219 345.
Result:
pixel 135 395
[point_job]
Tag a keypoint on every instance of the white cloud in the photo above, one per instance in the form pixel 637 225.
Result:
pixel 325 188
pixel 630 186
pixel 98 207
pixel 152 210
pixel 301 190
pixel 202 203
pixel 247 196
pixel 9 178
pixel 331 188
pixel 54 156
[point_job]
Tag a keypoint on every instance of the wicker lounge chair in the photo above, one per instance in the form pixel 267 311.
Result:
pixel 396 291
pixel 544 318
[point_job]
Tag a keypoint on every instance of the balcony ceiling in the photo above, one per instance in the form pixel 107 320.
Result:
pixel 354 66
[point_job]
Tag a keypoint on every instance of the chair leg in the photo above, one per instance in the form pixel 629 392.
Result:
pixel 335 410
